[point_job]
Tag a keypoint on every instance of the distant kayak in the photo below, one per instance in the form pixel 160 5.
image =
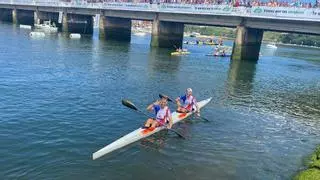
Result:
pixel 273 46
pixel 219 55
pixel 180 53
pixel 210 43
pixel 140 33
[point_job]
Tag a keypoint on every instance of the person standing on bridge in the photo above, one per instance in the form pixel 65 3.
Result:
pixel 189 103
pixel 163 114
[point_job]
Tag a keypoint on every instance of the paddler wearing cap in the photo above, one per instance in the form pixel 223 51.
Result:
pixel 162 112
pixel 189 103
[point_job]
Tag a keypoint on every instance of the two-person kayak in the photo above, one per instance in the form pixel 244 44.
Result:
pixel 142 133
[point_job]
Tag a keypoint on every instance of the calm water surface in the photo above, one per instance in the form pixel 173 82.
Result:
pixel 60 101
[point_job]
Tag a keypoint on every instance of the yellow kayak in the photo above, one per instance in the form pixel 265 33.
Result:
pixel 179 53
pixel 210 43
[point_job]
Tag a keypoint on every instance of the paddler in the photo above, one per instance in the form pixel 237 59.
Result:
pixel 189 103
pixel 179 50
pixel 163 114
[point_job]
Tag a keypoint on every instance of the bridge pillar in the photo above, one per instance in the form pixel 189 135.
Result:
pixel 115 28
pixel 64 22
pixel 247 44
pixel 14 16
pixel 166 34
pixel 36 17
pixel 102 24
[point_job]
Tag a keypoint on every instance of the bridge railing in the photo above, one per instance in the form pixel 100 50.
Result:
pixel 255 11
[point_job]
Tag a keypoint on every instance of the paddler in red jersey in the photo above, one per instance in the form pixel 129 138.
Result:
pixel 189 103
pixel 163 114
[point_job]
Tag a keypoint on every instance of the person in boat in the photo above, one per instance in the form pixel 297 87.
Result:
pixel 162 112
pixel 189 103
pixel 216 51
pixel 179 50
pixel 223 53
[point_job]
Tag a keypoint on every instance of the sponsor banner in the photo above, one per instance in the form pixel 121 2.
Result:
pixel 261 11
pixel 290 12
pixel 196 9
pixel 127 6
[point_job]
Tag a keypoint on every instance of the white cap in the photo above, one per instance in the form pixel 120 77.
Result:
pixel 189 90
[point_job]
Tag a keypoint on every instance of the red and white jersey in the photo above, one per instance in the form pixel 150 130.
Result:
pixel 188 101
pixel 162 114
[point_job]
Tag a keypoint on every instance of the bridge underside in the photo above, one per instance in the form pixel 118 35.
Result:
pixel 6 15
pixel 167 27
pixel 115 28
pixel 25 17
pixel 167 34
pixel 77 23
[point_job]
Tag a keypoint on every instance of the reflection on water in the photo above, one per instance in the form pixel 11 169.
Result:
pixel 240 77
pixel 159 60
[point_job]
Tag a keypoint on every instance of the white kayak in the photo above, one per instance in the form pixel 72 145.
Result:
pixel 142 133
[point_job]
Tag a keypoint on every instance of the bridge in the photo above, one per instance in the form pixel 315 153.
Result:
pixel 168 20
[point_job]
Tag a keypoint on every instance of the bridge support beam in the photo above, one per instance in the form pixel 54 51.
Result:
pixel 36 18
pixel 166 34
pixel 102 24
pixel 247 44
pixel 14 16
pixel 115 28
pixel 65 22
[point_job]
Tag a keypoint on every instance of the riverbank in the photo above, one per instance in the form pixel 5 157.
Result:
pixel 277 37
pixel 313 171
pixel 296 45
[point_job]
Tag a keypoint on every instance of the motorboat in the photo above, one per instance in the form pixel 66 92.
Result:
pixel 47 26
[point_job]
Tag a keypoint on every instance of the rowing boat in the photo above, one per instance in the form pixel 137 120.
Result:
pixel 142 133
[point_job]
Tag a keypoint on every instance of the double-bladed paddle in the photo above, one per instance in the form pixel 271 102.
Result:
pixel 130 105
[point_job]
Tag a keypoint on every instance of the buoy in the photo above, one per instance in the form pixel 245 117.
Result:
pixel 25 26
pixel 75 36
pixel 37 34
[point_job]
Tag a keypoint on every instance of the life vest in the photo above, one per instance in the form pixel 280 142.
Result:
pixel 162 115
pixel 188 102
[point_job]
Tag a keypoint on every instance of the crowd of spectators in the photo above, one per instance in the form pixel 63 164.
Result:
pixel 236 3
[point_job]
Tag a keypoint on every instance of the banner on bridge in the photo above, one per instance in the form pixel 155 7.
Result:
pixel 289 12
pixel 197 9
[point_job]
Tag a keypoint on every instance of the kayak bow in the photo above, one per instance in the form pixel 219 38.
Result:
pixel 142 133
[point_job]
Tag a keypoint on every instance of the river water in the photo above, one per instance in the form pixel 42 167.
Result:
pixel 61 101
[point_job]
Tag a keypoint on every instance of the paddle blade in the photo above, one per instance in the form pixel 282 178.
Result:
pixel 129 104
pixel 165 96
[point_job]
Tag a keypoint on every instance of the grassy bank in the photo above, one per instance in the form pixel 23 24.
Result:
pixel 313 171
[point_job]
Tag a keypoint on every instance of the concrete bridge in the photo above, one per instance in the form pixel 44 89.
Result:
pixel 168 20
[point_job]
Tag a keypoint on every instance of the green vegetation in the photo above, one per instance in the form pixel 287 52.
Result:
pixel 291 38
pixel 286 38
pixel 207 30
pixel 313 173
